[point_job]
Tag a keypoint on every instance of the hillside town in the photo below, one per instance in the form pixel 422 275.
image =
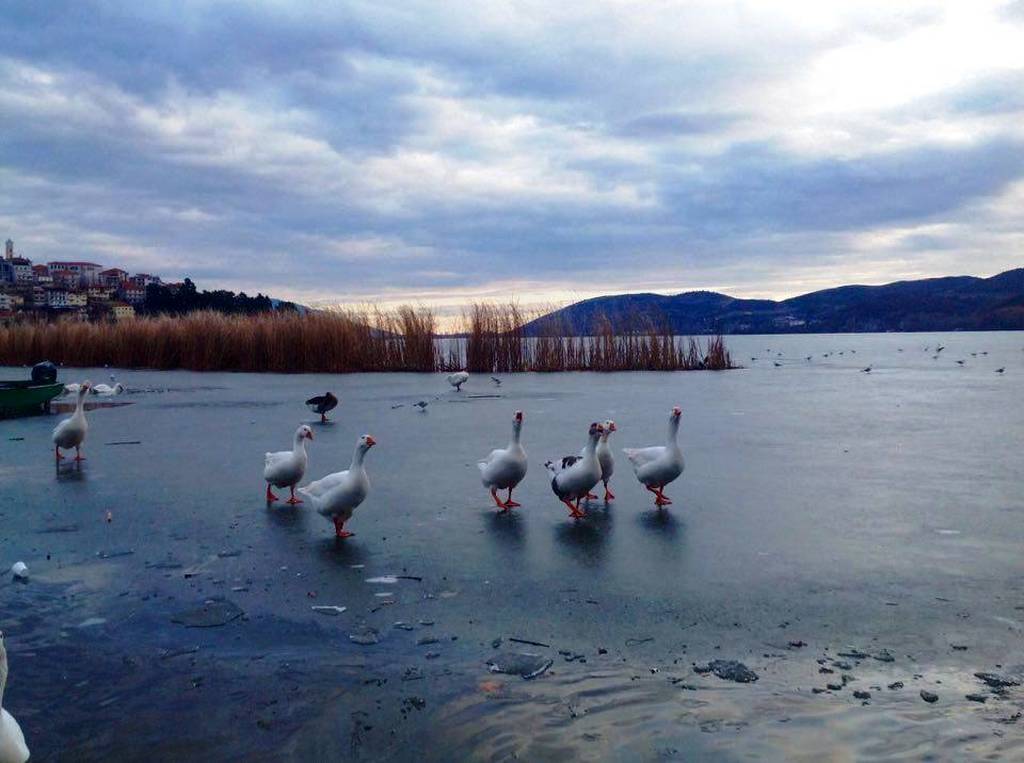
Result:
pixel 70 289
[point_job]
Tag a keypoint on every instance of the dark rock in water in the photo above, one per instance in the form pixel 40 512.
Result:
pixel 997 681
pixel 835 687
pixel 885 656
pixel 210 614
pixel 427 640
pixel 818 690
pixel 843 665
pixel 366 637
pixel 404 626
pixel 522 664
pixel 798 644
pixel 855 654
pixel 728 670
pixel 929 696
pixel 976 698
pixel 896 685
pixel 860 694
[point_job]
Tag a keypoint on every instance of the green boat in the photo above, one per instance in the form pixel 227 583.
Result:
pixel 23 398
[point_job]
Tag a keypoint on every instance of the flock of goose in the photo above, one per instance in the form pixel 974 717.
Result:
pixel 336 496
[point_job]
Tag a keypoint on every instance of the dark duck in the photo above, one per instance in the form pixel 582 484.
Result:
pixel 322 404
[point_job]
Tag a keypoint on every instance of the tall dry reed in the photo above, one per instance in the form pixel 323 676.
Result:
pixel 494 340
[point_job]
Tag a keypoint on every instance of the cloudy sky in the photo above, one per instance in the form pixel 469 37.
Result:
pixel 441 152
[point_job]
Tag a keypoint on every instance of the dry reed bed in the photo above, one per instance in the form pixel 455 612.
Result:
pixel 407 339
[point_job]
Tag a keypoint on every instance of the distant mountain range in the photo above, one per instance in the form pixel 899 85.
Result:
pixel 932 304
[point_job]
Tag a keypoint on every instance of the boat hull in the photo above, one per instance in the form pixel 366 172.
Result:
pixel 25 399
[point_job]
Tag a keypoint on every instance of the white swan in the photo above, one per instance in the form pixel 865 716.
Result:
pixel 657 466
pixel 105 390
pixel 458 379
pixel 605 459
pixel 12 742
pixel 573 477
pixel 70 433
pixel 72 389
pixel 286 468
pixel 505 467
pixel 337 495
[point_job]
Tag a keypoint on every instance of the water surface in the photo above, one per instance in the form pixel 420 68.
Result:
pixel 821 505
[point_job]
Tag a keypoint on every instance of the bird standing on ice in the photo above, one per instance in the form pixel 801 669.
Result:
pixel 657 466
pixel 337 495
pixel 457 379
pixel 606 459
pixel 70 433
pixel 322 404
pixel 12 741
pixel 505 468
pixel 573 477
pixel 286 468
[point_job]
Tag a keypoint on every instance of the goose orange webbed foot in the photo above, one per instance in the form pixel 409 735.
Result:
pixel 270 496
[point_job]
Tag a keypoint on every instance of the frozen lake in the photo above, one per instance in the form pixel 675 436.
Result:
pixel 823 511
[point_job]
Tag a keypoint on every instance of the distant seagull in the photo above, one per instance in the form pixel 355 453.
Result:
pixel 422 405
pixel 1000 370
pixel 496 380
pixel 808 357
pixel 826 354
pixel 985 352
pixel 777 364
pixel 754 359
pixel 935 357
pixel 926 349
pixel 899 349
pixel 854 352
pixel 940 348
pixel 866 370
pixel 840 352
pixel 974 354
pixel 959 362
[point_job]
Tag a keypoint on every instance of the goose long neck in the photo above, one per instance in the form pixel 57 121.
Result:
pixel 517 428
pixel 673 430
pixel 3 673
pixel 357 457
pixel 592 444
pixel 80 404
pixel 300 445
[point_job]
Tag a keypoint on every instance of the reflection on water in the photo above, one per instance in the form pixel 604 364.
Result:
pixel 586 539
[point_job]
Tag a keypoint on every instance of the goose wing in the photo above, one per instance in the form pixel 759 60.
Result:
pixel 642 456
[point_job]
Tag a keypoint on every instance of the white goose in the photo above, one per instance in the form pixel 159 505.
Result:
pixel 12 742
pixel 287 467
pixel 70 433
pixel 573 477
pixel 505 468
pixel 606 460
pixel 72 389
pixel 337 495
pixel 457 379
pixel 657 466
